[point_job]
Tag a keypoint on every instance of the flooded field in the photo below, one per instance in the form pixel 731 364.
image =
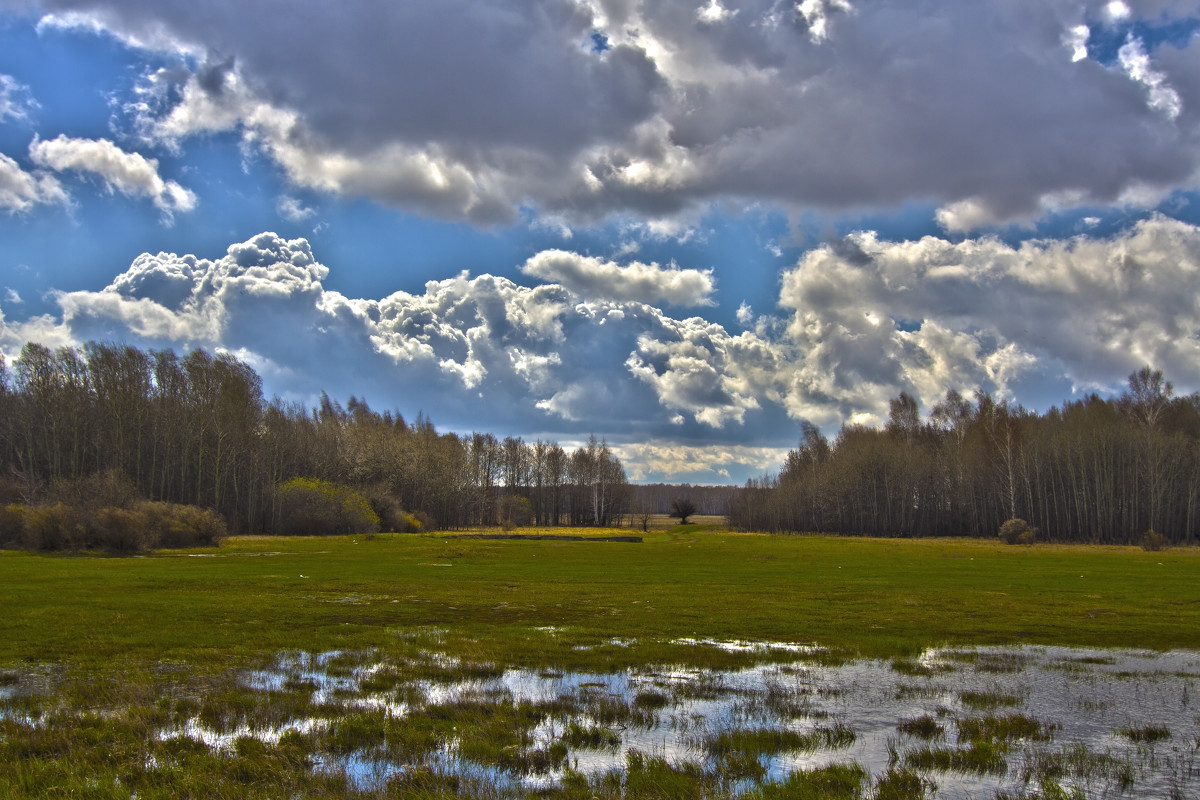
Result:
pixel 962 723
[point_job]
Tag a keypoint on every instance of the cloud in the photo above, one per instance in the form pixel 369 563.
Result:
pixel 714 12
pixel 697 367
pixel 293 210
pixel 16 102
pixel 1137 64
pixel 670 460
pixel 745 314
pixel 21 190
pixel 870 317
pixel 592 277
pixel 131 174
pixel 993 111
pixel 859 320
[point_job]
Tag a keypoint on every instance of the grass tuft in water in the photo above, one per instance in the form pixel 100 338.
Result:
pixel 903 784
pixel 771 741
pixel 1080 765
pixel 650 700
pixel 1146 734
pixel 654 777
pixel 357 732
pixel 915 669
pixel 835 782
pixel 1003 729
pixel 594 737
pixel 922 727
pixel 989 700
pixel 979 758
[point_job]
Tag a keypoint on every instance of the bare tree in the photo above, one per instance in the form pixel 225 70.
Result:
pixel 682 507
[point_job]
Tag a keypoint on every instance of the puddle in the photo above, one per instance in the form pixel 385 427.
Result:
pixel 740 646
pixel 1110 723
pixel 225 741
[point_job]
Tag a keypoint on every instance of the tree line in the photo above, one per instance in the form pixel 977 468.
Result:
pixel 1094 470
pixel 196 430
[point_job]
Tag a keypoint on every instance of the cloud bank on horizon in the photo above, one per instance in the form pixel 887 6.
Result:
pixel 708 221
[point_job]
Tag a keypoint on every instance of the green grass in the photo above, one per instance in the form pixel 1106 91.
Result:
pixel 110 652
pixel 882 598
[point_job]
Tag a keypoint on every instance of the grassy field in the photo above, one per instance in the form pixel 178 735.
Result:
pixel 99 655
pixel 866 596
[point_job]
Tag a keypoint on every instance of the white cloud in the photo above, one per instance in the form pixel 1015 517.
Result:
pixel 1075 39
pixel 817 13
pixel 872 317
pixel 672 460
pixel 1137 63
pixel 130 174
pixel 21 190
pixel 745 314
pixel 964 215
pixel 698 368
pixel 864 319
pixel 714 12
pixel 293 210
pixel 592 277
pixel 12 296
pixel 16 102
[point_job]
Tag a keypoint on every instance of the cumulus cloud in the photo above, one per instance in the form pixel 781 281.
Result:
pixel 698 368
pixel 671 460
pixel 592 277
pixel 21 190
pixel 859 320
pixel 869 317
pixel 131 174
pixel 993 111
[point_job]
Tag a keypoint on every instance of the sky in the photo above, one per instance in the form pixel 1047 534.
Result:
pixel 688 227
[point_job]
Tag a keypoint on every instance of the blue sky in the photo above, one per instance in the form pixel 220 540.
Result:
pixel 730 219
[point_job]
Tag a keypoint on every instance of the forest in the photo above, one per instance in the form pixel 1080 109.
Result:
pixel 1094 470
pixel 196 431
pixel 133 438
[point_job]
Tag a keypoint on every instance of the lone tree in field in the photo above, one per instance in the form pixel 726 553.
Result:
pixel 683 508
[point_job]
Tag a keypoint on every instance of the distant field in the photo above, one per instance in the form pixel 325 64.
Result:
pixel 867 596
pixel 665 521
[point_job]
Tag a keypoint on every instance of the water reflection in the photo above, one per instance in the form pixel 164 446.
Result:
pixel 1092 720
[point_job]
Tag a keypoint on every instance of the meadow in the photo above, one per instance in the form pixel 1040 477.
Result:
pixel 438 665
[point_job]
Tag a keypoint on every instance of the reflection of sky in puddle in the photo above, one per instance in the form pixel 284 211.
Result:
pixel 1088 696
pixel 225 741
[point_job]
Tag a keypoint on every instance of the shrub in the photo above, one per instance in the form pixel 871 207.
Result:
pixel 311 507
pixel 174 525
pixel 119 530
pixel 52 528
pixel 1017 531
pixel 12 526
pixel 1153 541
pixel 392 516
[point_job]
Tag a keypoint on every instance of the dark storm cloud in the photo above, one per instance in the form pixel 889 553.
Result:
pixel 992 109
